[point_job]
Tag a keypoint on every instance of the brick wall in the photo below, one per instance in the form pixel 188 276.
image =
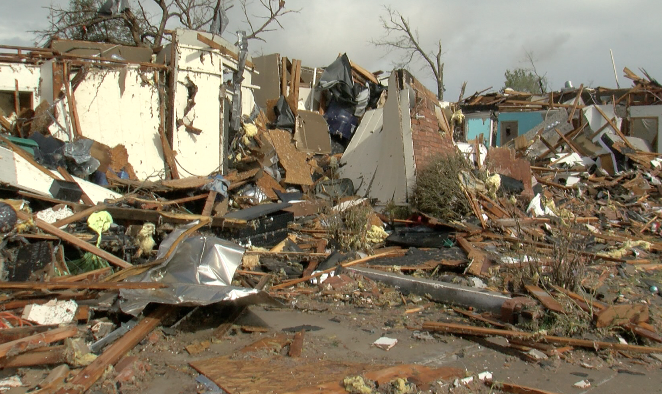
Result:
pixel 426 134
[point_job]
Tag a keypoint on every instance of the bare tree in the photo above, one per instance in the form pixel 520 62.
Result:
pixel 400 35
pixel 542 80
pixel 275 8
pixel 142 27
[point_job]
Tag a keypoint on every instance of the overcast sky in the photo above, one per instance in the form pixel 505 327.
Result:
pixel 570 40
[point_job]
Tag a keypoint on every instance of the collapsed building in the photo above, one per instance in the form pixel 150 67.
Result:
pixel 139 188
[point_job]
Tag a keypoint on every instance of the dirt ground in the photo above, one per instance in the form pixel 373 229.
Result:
pixel 340 332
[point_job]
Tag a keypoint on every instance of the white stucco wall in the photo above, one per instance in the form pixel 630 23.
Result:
pixel 27 76
pixel 111 118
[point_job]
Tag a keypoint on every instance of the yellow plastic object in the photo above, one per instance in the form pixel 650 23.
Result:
pixel 99 222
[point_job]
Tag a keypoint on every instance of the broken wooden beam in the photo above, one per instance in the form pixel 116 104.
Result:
pixel 545 298
pixel 90 374
pixel 48 355
pixel 38 340
pixel 225 51
pixel 296 347
pixel 65 236
pixel 477 257
pixel 461 329
pixel 80 285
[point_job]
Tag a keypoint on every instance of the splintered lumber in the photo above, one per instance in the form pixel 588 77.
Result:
pixel 41 356
pixel 12 334
pixel 276 343
pixel 461 329
pixel 225 51
pixel 71 101
pixel 79 285
pixel 614 127
pixel 622 314
pixel 54 380
pixel 94 275
pixel 296 347
pixel 38 340
pixel 477 258
pixel 90 374
pixel 515 388
pixel 65 236
pixel 344 265
pixel 547 300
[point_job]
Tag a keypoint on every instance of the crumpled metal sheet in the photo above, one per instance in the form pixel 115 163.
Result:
pixel 199 272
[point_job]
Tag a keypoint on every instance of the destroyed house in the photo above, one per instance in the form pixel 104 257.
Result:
pixel 166 111
pixel 518 114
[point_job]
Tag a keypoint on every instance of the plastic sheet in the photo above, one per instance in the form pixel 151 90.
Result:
pixel 79 152
pixel 199 272
pixel 284 115
pixel 337 79
pixel 219 185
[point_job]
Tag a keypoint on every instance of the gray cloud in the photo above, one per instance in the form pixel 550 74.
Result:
pixel 481 38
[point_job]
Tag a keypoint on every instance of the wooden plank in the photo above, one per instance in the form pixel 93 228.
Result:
pixel 17 100
pixel 575 103
pixel 283 77
pixel 225 51
pixel 623 314
pixel 5 123
pixel 74 205
pixel 38 340
pixel 49 228
pixel 613 126
pixel 90 374
pixel 516 388
pixel 37 357
pixel 168 153
pixel 462 329
pixel 79 215
pixel 147 215
pixel 547 300
pixel 89 276
pixel 262 376
pixel 151 204
pixel 296 347
pixel 477 257
pixel 209 204
pixel 272 343
pixel 67 177
pixel 54 380
pixel 71 101
pixel 567 141
pixel 364 73
pixel 80 285
pixel 12 334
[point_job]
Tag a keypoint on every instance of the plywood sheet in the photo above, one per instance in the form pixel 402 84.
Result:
pixel 280 375
pixel 297 170
pixel 312 133
pixel 306 376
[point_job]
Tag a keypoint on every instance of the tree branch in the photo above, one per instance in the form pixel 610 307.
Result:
pixel 399 35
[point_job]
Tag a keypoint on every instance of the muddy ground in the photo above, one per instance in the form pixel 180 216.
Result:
pixel 340 331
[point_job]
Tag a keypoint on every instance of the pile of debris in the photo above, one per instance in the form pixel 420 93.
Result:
pixel 311 189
